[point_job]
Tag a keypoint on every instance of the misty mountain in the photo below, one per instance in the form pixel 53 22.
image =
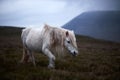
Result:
pixel 98 24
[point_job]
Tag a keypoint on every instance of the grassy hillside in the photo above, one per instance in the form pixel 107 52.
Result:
pixel 97 60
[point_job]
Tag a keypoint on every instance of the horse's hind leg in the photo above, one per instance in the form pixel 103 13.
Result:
pixel 31 58
pixel 25 56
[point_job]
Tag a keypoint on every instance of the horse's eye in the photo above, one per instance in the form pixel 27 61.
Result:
pixel 68 41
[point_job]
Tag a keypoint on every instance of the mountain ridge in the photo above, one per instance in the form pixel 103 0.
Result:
pixel 98 24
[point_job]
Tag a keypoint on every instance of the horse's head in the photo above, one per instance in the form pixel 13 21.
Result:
pixel 70 43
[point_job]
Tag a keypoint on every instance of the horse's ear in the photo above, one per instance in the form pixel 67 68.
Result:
pixel 46 26
pixel 67 33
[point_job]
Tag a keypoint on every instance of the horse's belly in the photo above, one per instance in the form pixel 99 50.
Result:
pixel 34 47
pixel 34 43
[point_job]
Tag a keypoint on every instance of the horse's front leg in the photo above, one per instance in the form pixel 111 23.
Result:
pixel 48 53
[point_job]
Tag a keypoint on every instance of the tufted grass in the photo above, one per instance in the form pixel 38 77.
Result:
pixel 97 60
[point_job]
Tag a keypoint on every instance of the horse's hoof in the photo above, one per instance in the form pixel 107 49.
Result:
pixel 50 66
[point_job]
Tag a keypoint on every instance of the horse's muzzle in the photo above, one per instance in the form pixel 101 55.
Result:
pixel 75 53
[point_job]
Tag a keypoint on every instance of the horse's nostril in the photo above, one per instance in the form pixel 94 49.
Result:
pixel 74 53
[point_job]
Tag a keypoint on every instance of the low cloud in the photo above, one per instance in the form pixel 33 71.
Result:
pixel 54 12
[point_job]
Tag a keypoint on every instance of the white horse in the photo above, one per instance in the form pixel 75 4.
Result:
pixel 48 40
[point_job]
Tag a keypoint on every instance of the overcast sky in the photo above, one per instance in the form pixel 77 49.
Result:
pixel 53 12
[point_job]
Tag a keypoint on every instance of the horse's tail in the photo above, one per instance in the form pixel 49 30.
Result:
pixel 24 35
